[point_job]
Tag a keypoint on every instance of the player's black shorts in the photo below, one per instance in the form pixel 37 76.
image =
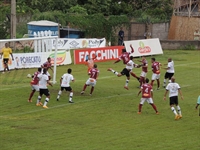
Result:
pixel 45 92
pixel 173 100
pixel 66 88
pixel 125 72
pixel 168 75
pixel 5 60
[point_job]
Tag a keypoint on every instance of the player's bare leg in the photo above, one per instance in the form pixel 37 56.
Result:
pixel 92 89
pixel 134 75
pixel 31 95
pixel 84 87
pixel 139 108
pixel 142 80
pixel 196 107
pixel 158 84
pixel 152 82
pixel 154 107
pixel 115 72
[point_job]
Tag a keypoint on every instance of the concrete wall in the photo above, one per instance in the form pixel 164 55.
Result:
pixel 136 31
pixel 160 30
pixel 175 44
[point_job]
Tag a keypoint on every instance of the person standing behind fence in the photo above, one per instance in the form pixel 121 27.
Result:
pixel 120 37
pixel 6 52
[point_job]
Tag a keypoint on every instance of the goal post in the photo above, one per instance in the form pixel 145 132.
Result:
pixel 39 49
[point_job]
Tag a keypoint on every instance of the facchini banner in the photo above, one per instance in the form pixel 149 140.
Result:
pixel 144 47
pixel 65 43
pixel 102 54
pixel 33 60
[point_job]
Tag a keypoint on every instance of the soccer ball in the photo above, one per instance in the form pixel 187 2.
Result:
pixel 28 76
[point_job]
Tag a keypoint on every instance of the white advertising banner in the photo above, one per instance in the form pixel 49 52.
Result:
pixel 33 60
pixel 144 47
pixel 65 43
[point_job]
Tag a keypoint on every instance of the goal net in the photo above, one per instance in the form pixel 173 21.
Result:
pixel 29 54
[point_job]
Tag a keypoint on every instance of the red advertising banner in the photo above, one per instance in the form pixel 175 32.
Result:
pixel 101 53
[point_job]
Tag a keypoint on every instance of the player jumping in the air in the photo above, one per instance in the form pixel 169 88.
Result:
pixel 126 71
pixel 34 84
pixel 93 73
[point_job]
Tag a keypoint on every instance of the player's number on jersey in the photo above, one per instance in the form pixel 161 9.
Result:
pixel 146 90
pixel 93 74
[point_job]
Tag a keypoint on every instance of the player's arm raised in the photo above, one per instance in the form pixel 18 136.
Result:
pixel 132 49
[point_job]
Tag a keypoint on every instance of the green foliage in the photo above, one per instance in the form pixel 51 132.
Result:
pixel 78 10
pixel 188 47
pixel 94 26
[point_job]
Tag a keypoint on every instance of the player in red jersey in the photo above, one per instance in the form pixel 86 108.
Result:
pixel 156 72
pixel 47 65
pixel 90 62
pixel 125 57
pixel 34 83
pixel 144 66
pixel 126 71
pixel 93 73
pixel 147 95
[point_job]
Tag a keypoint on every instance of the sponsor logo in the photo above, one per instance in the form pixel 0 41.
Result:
pixel 74 43
pixel 60 43
pixel 143 49
pixel 61 55
pixel 104 54
pixel 95 43
pixel 30 60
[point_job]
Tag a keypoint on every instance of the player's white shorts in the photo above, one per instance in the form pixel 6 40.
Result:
pixel 148 100
pixel 35 87
pixel 143 74
pixel 91 82
pixel 155 76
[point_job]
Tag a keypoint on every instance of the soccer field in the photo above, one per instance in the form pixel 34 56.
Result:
pixel 106 120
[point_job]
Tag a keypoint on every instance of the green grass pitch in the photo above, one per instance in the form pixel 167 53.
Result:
pixel 108 119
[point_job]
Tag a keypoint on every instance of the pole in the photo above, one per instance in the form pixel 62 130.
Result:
pixel 13 19
pixel 13 22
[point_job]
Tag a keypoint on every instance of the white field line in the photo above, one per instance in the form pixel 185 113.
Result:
pixel 67 104
pixel 104 77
